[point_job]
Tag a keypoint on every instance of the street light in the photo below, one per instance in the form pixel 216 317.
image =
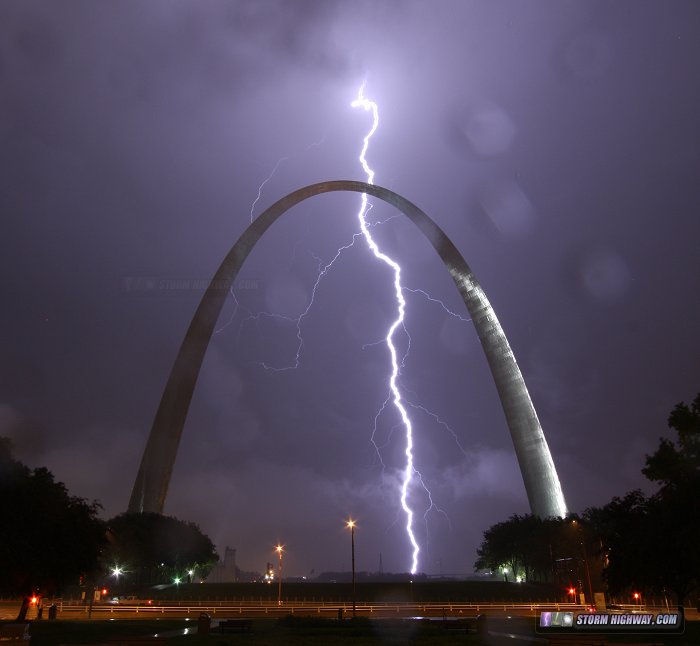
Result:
pixel 279 549
pixel 351 525
pixel 582 542
pixel 117 571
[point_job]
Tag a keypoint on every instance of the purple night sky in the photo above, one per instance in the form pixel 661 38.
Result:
pixel 557 144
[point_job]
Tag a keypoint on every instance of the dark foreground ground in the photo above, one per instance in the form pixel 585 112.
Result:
pixel 297 631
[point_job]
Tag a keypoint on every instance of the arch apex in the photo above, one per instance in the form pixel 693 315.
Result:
pixel 534 457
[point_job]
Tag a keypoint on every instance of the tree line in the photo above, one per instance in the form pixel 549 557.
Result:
pixel 636 542
pixel 50 540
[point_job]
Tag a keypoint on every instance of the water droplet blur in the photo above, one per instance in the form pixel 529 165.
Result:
pixel 507 207
pixel 488 129
pixel 604 275
pixel 286 296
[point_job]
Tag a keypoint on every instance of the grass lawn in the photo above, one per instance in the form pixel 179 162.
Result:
pixel 52 633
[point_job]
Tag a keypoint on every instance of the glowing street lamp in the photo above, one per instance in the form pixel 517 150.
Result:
pixel 504 571
pixel 350 524
pixel 279 549
pixel 116 572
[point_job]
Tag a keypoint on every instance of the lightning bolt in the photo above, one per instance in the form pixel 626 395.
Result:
pixel 234 298
pixel 439 302
pixel 410 473
pixel 299 320
pixel 280 161
pixel 409 470
pixel 323 269
pixel 440 422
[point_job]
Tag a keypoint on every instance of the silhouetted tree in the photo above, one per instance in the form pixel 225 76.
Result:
pixel 674 511
pixel 622 526
pixel 677 466
pixel 529 546
pixel 649 543
pixel 157 548
pixel 47 537
pixel 502 548
pixel 653 542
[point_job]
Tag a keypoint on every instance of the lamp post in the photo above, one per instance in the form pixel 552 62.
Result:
pixel 351 525
pixel 279 549
pixel 117 571
pixel 582 542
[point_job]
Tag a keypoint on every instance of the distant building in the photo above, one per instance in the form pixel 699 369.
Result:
pixel 225 570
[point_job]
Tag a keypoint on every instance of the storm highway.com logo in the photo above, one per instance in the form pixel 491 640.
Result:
pixel 610 622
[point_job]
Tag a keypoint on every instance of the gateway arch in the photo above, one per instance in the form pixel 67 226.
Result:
pixel 534 458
